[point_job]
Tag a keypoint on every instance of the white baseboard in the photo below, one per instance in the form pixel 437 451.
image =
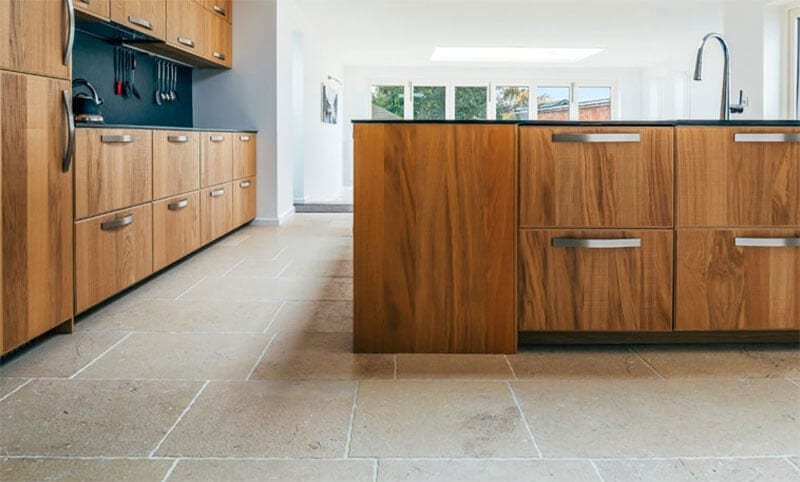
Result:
pixel 286 216
pixel 281 219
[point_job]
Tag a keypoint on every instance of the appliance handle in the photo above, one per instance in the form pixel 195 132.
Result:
pixel 66 160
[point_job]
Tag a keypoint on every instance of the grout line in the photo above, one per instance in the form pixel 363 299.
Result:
pixel 375 470
pixel 100 356
pixel 508 362
pixel 791 462
pixel 274 317
pixel 12 392
pixel 647 363
pixel 352 420
pixel 180 417
pixel 226 273
pixel 372 458
pixel 284 268
pixel 597 471
pixel 524 419
pixel 263 352
pixel 169 471
pixel 274 258
pixel 793 382
pixel 189 288
pixel 395 366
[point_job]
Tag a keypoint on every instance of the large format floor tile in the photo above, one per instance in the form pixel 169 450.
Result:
pixel 707 470
pixel 314 316
pixel 257 267
pixel 9 385
pixel 419 366
pixel 339 268
pixel 58 356
pixel 271 289
pixel 165 286
pixel 308 470
pixel 579 362
pixel 477 470
pixel 79 470
pixel 723 361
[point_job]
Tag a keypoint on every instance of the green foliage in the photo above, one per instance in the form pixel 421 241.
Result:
pixel 470 103
pixel 429 103
pixel 512 103
pixel 387 102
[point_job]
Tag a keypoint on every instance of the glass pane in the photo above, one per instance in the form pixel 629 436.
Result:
pixel 471 103
pixel 512 102
pixel 594 103
pixel 388 102
pixel 429 103
pixel 552 103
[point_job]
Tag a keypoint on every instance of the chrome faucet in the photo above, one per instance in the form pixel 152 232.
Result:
pixel 725 108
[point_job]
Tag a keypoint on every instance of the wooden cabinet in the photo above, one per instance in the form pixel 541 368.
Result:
pixel 244 201
pixel 244 155
pixel 595 280
pixel 96 8
pixel 36 234
pixel 737 279
pixel 738 176
pixel 146 16
pixel 176 163
pixel 113 170
pixel 596 176
pixel 219 39
pixel 112 252
pixel 222 8
pixel 176 229
pixel 216 158
pixel 216 212
pixel 186 26
pixel 35 37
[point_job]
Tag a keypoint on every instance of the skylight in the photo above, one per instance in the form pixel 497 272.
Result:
pixel 512 54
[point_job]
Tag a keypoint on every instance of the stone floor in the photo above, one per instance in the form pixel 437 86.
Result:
pixel 235 365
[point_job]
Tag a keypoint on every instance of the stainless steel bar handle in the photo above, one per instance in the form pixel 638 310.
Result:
pixel 767 242
pixel 87 2
pixel 244 138
pixel 218 192
pixel 70 32
pixel 220 10
pixel 216 138
pixel 186 41
pixel 123 139
pixel 117 223
pixel 178 139
pixel 597 243
pixel 766 137
pixel 176 206
pixel 70 150
pixel 140 22
pixel 582 138
pixel 244 184
pixel 219 55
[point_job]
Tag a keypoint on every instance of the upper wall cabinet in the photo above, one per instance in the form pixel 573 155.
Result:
pixel 186 26
pixel 222 8
pixel 147 16
pixel 36 37
pixel 219 42
pixel 96 8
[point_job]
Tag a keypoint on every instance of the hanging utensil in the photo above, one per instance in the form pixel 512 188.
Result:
pixel 172 95
pixel 128 90
pixel 164 83
pixel 117 72
pixel 175 85
pixel 158 82
pixel 133 76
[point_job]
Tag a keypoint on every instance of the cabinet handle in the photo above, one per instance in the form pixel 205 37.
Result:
pixel 186 41
pixel 218 192
pixel 140 22
pixel 766 137
pixel 244 138
pixel 767 242
pixel 597 243
pixel 178 139
pixel 87 2
pixel 70 150
pixel 117 223
pixel 123 139
pixel 220 10
pixel 70 32
pixel 216 138
pixel 219 55
pixel 627 137
pixel 244 184
pixel 177 206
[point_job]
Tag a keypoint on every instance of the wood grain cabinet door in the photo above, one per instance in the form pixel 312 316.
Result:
pixel 596 176
pixel 222 8
pixel 186 26
pixel 216 212
pixel 176 163
pixel 146 16
pixel 176 229
pixel 96 8
pixel 219 39
pixel 738 176
pixel 596 281
pixel 737 280
pixel 244 201
pixel 35 37
pixel 244 155
pixel 216 158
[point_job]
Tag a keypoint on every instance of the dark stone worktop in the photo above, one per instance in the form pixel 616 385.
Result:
pixel 82 125
pixel 616 123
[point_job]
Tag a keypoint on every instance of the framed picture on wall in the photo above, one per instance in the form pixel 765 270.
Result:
pixel 330 104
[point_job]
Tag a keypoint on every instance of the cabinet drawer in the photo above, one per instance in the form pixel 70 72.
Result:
pixel 221 8
pixel 113 170
pixel 244 155
pixel 738 176
pixel 186 26
pixel 244 201
pixel 147 16
pixel 596 177
pixel 176 163
pixel 216 158
pixel 176 229
pixel 112 252
pixel 737 280
pixel 592 280
pixel 96 8
pixel 216 211
pixel 218 39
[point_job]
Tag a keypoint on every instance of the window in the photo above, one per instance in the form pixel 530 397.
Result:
pixel 471 102
pixel 594 103
pixel 511 102
pixel 553 103
pixel 388 102
pixel 794 61
pixel 429 102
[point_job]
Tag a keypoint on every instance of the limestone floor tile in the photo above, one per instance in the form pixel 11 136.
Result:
pixel 314 316
pixel 340 268
pixel 185 356
pixel 478 470
pixel 795 461
pixel 255 267
pixel 207 262
pixel 8 385
pixel 320 356
pixel 166 285
pixel 310 470
pixel 418 366
pixel 438 419
pixel 91 417
pixel 318 253
pixel 723 361
pixel 270 289
pixel 58 355
pixel 111 470
pixel 180 316
pixel 578 362
pixel 265 419
pixel 707 470
pixel 662 418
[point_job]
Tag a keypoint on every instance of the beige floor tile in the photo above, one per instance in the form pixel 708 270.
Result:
pixel 318 253
pixel 185 356
pixel 91 417
pixel 208 262
pixel 324 268
pixel 314 316
pixel 438 419
pixel 8 385
pixel 707 470
pixel 167 285
pixel 320 356
pixel 134 470
pixel 662 418
pixel 795 461
pixel 58 355
pixel 454 470
pixel 265 419
pixel 308 470
pixel 578 362
pixel 271 289
pixel 723 361
pixel 452 366
pixel 255 267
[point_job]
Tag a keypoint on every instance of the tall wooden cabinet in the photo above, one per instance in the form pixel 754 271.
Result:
pixel 36 37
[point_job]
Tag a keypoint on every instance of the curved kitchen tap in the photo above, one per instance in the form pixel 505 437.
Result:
pixel 725 108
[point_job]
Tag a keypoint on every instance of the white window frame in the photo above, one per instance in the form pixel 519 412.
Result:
pixel 451 114
pixel 388 83
pixel 448 97
pixel 492 114
pixel 794 68
pixel 615 101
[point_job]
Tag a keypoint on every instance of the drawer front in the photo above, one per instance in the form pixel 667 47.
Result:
pixel 216 158
pixel 244 155
pixel 216 212
pixel 221 8
pixel 244 201
pixel 738 176
pixel 185 26
pixel 176 163
pixel 176 229
pixel 737 280
pixel 97 8
pixel 112 252
pixel 600 281
pixel 147 16
pixel 113 170
pixel 596 177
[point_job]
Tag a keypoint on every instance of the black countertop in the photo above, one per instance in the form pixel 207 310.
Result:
pixel 90 125
pixel 618 123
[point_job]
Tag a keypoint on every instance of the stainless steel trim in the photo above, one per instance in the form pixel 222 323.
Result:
pixel 216 138
pixel 766 137
pixel 178 139
pixel 244 138
pixel 245 184
pixel 767 242
pixel 176 206
pixel 611 137
pixel 117 223
pixel 219 55
pixel 218 192
pixel 123 139
pixel 220 10
pixel 66 161
pixel 597 243
pixel 70 33
pixel 140 22
pixel 186 41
